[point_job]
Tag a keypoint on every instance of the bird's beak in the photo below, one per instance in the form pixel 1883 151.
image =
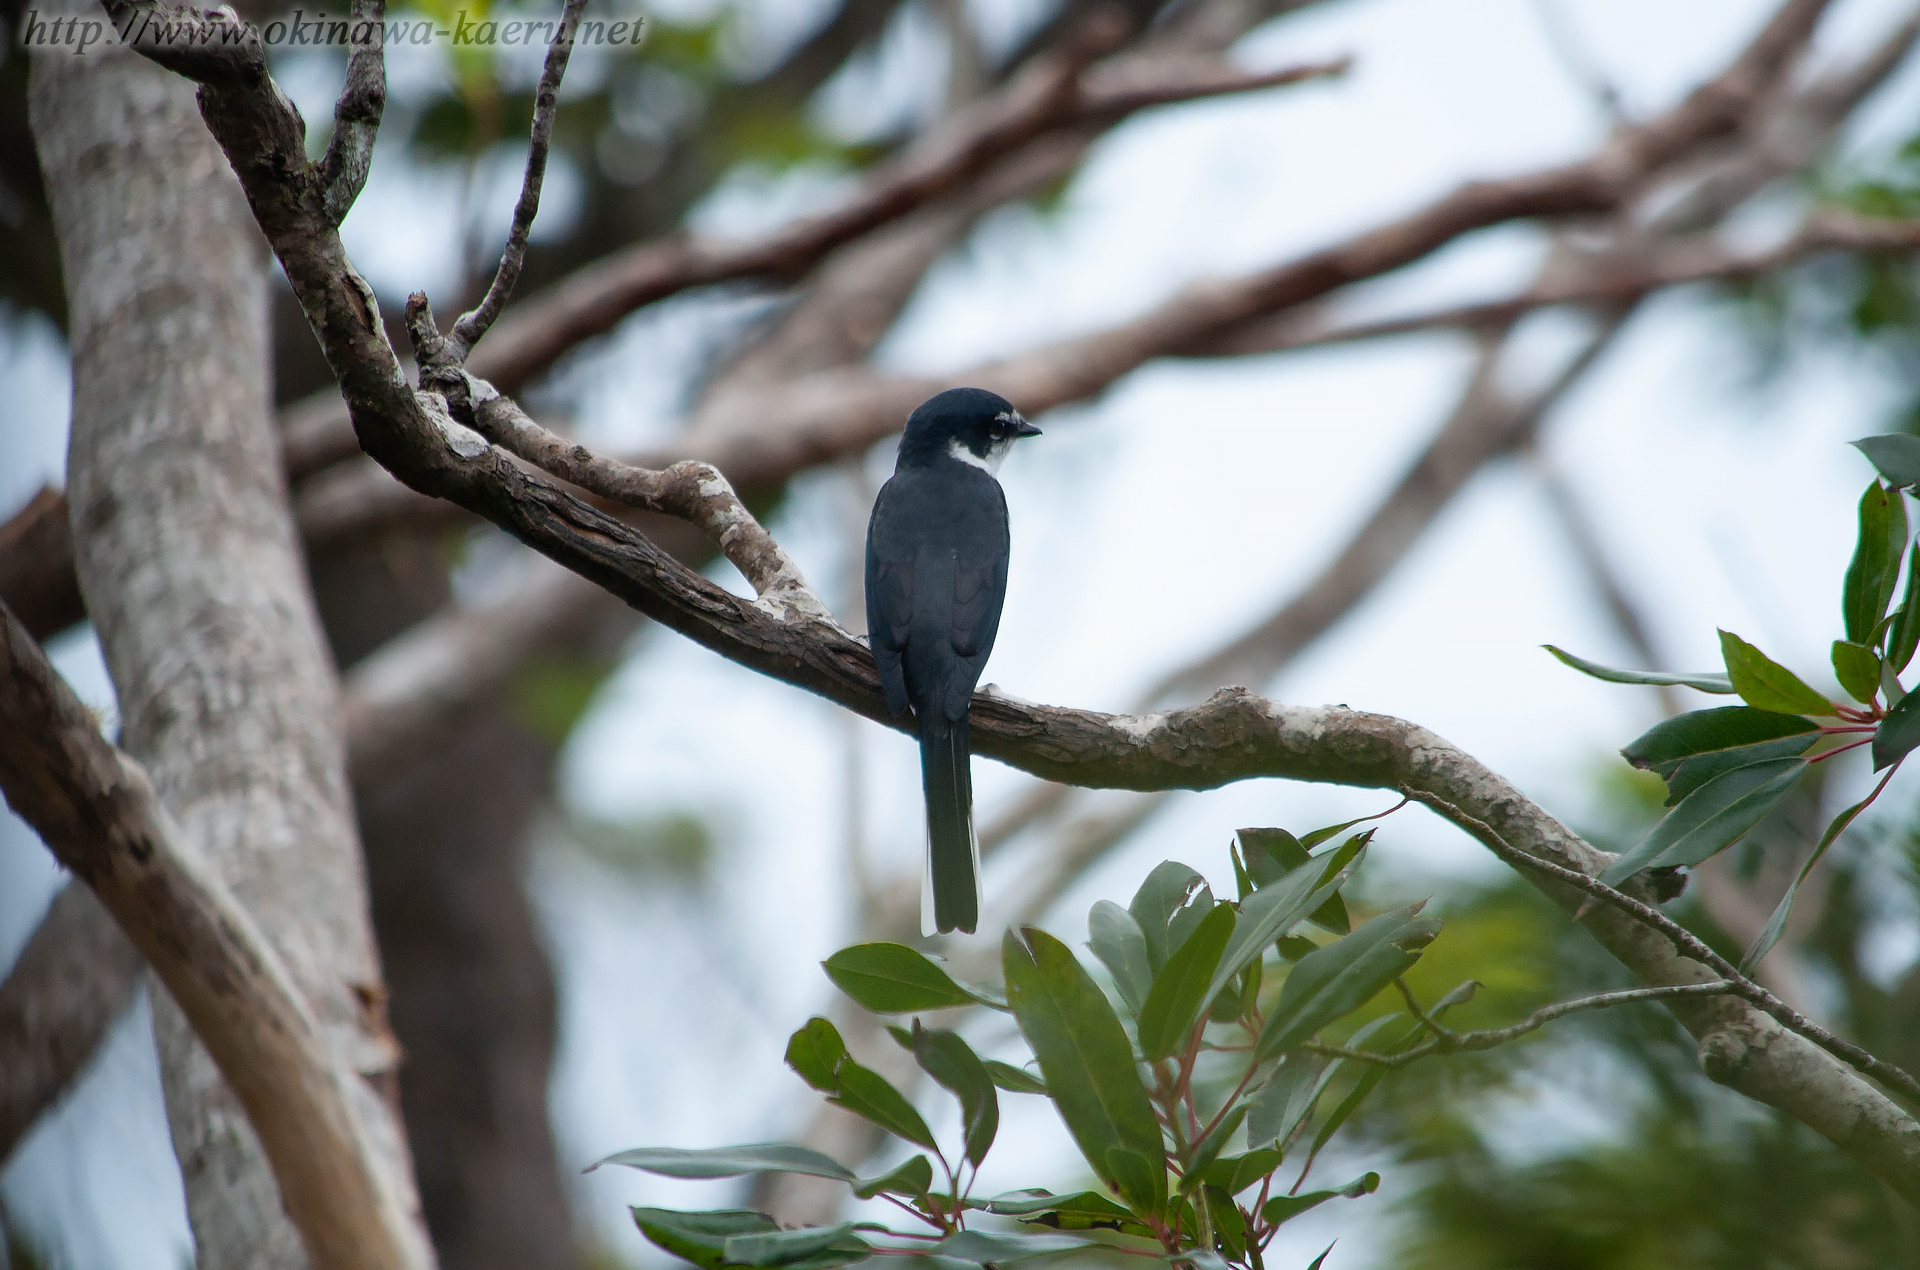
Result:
pixel 1021 428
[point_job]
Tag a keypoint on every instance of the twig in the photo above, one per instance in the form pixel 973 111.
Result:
pixel 1576 56
pixel 1440 1031
pixel 546 106
pixel 356 116
pixel 690 491
pixel 1686 942
pixel 1449 1042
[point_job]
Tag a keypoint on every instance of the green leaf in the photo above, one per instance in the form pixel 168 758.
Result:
pixel 1343 976
pixel 1857 667
pixel 956 1068
pixel 1898 732
pixel 1896 457
pixel 1684 736
pixel 1286 1207
pixel 1875 564
pixel 1140 1181
pixel 791 1247
pixel 1706 681
pixel 1904 632
pixel 1770 935
pixel 1711 818
pixel 985 1246
pixel 1186 920
pixel 1696 772
pixel 1273 910
pixel 1155 903
pixel 1117 941
pixel 866 1093
pixel 1279 853
pixel 815 1052
pixel 1294 947
pixel 1250 987
pixel 699 1237
pixel 1208 1149
pixel 1314 838
pixel 1229 1223
pixel 1013 1079
pixel 913 1178
pixel 1321 1260
pixel 760 1157
pixel 1370 1076
pixel 1235 1173
pixel 1081 1210
pixel 1765 683
pixel 1084 1057
pixel 1691 749
pixel 1287 1098
pixel 894 979
pixel 1182 990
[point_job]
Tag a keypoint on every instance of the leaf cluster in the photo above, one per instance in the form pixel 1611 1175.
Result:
pixel 1727 768
pixel 1188 1174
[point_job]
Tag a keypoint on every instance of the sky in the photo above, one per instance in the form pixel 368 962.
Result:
pixel 1724 504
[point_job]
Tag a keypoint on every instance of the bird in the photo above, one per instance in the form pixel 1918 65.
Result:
pixel 936 577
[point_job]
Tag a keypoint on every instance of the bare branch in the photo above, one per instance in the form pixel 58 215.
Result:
pixel 546 106
pixel 37 580
pixel 1611 277
pixel 72 982
pixel 356 116
pixel 1684 941
pixel 694 492
pixel 1450 1042
pixel 1601 576
pixel 95 808
pixel 1484 424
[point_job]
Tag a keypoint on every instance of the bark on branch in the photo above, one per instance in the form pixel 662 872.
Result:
pixel 95 808
pixel 1234 735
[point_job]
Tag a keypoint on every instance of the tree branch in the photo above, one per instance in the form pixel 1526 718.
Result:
pixel 356 116
pixel 475 323
pixel 1610 277
pixel 95 808
pixel 71 983
pixel 37 579
pixel 1450 1042
pixel 1685 942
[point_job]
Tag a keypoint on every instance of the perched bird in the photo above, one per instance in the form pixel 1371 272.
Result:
pixel 936 577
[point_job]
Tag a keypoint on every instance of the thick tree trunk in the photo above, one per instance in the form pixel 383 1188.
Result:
pixel 187 559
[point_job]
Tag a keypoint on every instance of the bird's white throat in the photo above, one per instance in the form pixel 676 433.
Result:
pixel 996 454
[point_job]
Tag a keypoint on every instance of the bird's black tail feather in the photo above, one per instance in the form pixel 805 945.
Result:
pixel 951 899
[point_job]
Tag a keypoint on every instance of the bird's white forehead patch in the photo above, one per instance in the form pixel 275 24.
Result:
pixel 996 454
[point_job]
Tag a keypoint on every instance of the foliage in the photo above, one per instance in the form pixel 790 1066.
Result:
pixel 1188 1161
pixel 1727 768
pixel 1637 1159
pixel 1674 1190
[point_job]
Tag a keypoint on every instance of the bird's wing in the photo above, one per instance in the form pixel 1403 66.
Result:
pixel 979 591
pixel 889 585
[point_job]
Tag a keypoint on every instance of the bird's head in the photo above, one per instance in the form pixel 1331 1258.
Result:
pixel 969 424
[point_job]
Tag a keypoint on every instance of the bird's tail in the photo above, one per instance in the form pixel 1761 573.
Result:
pixel 950 895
